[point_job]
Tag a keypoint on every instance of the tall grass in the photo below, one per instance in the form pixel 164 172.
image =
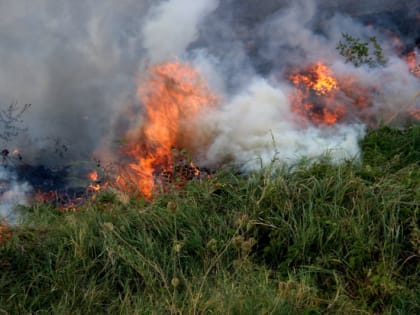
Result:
pixel 317 238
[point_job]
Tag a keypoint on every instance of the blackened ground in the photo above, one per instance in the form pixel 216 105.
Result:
pixel 58 185
pixel 42 177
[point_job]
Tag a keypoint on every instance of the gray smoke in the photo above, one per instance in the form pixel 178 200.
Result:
pixel 12 193
pixel 172 25
pixel 254 124
pixel 78 63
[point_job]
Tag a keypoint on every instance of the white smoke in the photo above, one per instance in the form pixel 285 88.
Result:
pixel 257 127
pixel 77 63
pixel 12 194
pixel 172 25
pixel 254 125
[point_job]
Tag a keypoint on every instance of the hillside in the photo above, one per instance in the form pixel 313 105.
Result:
pixel 314 238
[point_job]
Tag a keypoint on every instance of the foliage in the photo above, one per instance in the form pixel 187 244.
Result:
pixel 360 53
pixel 316 238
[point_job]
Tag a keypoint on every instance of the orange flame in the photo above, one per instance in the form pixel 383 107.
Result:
pixel 319 78
pixel 95 186
pixel 173 94
pixel 316 83
pixel 413 64
pixel 323 99
pixel 93 176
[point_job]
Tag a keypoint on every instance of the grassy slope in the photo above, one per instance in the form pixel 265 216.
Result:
pixel 309 240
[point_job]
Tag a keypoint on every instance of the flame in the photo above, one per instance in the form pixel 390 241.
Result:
pixel 173 94
pixel 95 186
pixel 324 99
pixel 93 176
pixel 413 64
pixel 319 78
pixel 313 84
pixel 195 169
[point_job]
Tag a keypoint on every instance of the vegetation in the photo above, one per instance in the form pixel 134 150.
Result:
pixel 316 238
pixel 361 53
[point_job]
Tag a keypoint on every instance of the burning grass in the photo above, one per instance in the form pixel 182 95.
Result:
pixel 173 95
pixel 317 238
pixel 322 98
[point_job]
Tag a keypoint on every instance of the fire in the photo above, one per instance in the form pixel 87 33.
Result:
pixel 93 176
pixel 314 97
pixel 173 94
pixel 71 200
pixel 324 99
pixel 412 63
pixel 95 187
pixel 95 184
pixel 319 78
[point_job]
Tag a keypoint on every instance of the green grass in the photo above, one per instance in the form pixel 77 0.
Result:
pixel 317 238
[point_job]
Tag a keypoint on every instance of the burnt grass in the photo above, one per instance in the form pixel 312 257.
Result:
pixel 315 238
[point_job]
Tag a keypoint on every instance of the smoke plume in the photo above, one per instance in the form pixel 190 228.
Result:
pixel 12 193
pixel 172 25
pixel 79 62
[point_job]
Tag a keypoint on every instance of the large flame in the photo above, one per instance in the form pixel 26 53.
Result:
pixel 318 78
pixel 173 94
pixel 323 99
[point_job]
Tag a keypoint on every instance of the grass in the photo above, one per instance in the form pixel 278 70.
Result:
pixel 317 238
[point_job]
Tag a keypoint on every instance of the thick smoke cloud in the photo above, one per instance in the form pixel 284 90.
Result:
pixel 254 123
pixel 75 62
pixel 78 63
pixel 172 25
pixel 256 127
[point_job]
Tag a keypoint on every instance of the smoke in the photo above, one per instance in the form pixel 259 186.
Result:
pixel 75 62
pixel 78 64
pixel 256 127
pixel 12 193
pixel 172 25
